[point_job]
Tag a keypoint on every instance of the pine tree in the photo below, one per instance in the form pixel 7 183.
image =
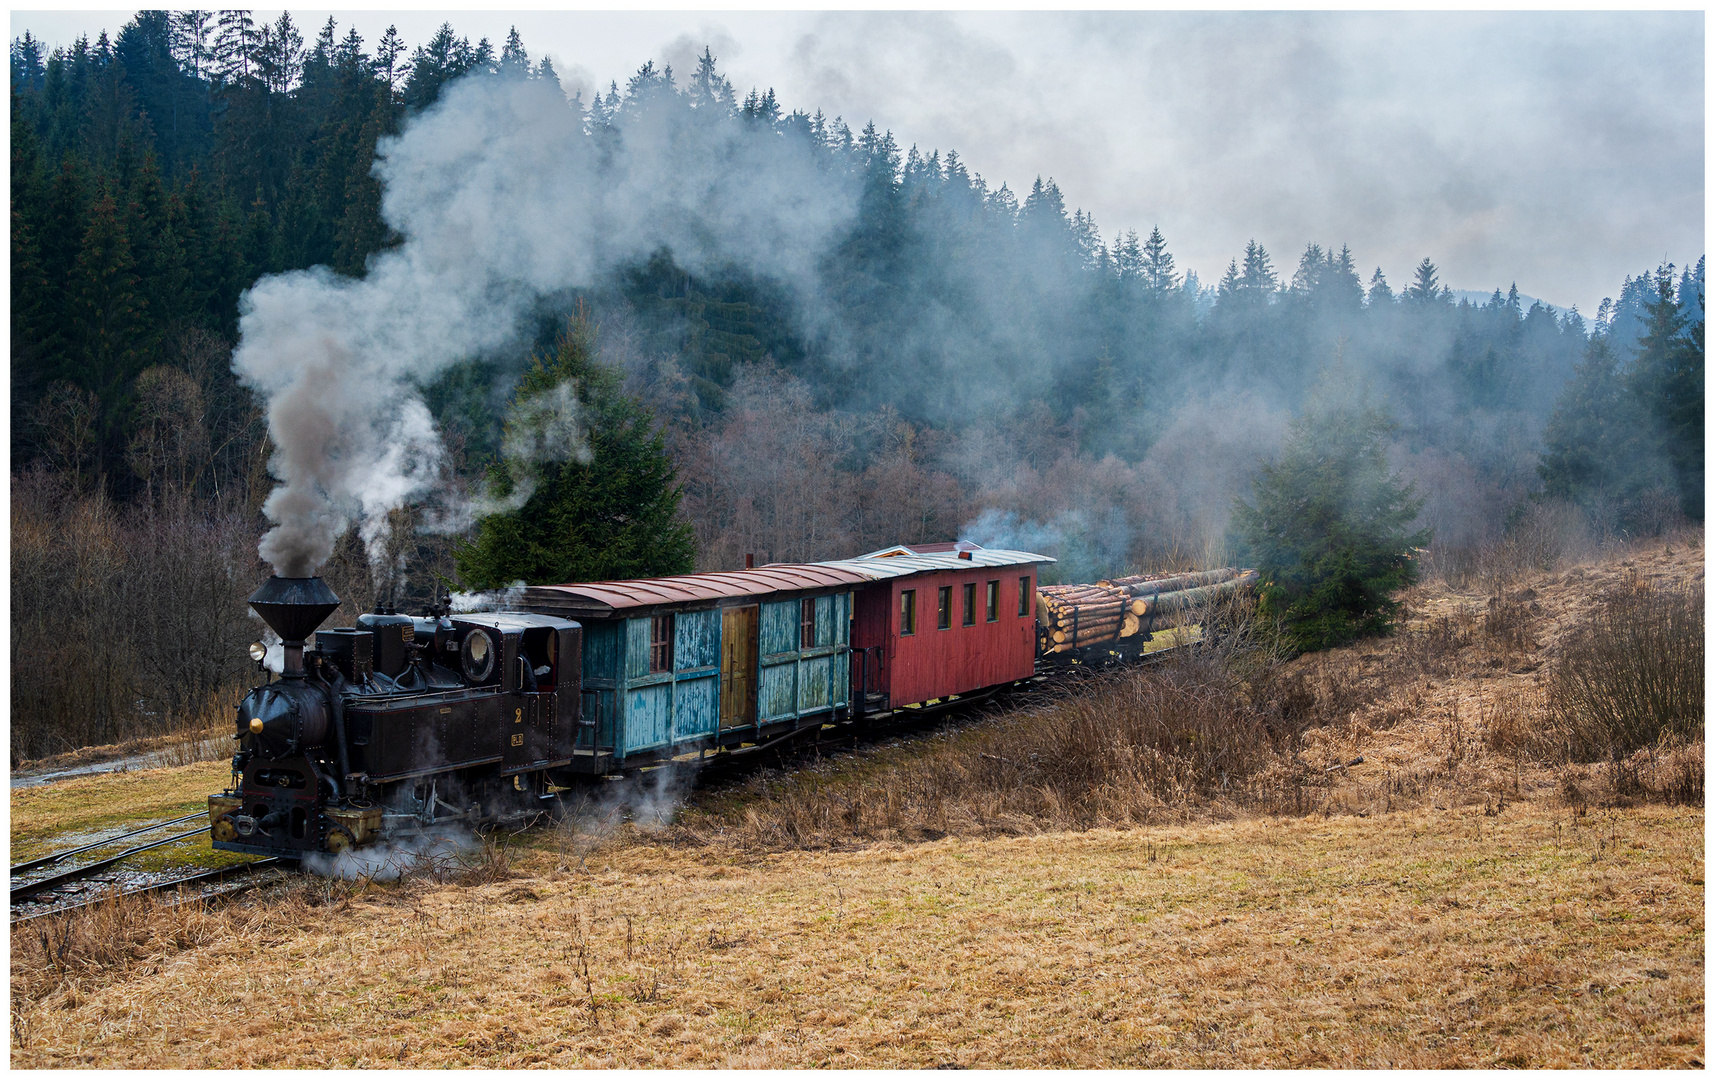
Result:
pixel 514 58
pixel 603 498
pixel 1598 448
pixel 1667 381
pixel 191 31
pixel 1159 277
pixel 1328 529
pixel 1423 288
pixel 710 89
pixel 387 65
pixel 233 57
pixel 105 301
pixel 1379 296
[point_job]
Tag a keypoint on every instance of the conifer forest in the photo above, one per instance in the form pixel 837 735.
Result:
pixel 868 344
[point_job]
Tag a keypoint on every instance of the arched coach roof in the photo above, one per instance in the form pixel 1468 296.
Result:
pixel 604 599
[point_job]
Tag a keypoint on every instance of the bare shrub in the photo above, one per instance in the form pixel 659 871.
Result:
pixel 1631 674
pixel 1507 623
pixel 73 672
pixel 1512 722
pixel 1430 647
pixel 125 625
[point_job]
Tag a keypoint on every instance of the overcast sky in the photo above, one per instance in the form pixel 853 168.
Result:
pixel 1560 151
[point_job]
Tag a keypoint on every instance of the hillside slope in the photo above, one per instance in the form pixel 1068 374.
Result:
pixel 1446 903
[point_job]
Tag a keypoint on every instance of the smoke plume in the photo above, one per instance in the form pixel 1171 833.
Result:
pixel 501 198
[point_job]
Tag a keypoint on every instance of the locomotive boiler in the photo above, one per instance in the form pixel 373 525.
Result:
pixel 395 724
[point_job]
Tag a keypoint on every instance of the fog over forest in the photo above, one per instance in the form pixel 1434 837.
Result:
pixel 270 279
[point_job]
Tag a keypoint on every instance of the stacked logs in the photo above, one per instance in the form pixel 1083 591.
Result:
pixel 1077 615
pixel 1074 616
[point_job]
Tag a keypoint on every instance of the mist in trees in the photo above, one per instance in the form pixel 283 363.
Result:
pixel 945 356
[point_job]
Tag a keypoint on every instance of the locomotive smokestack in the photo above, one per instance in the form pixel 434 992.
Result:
pixel 294 607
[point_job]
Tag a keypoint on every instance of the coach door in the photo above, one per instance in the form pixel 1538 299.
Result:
pixel 738 666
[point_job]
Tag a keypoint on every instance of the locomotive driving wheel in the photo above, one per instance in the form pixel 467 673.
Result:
pixel 339 841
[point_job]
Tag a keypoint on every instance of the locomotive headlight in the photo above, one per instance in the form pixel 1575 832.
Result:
pixel 258 651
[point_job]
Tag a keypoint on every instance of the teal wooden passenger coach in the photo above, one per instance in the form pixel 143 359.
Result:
pixel 676 665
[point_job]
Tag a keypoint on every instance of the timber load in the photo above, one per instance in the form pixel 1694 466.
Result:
pixel 1076 616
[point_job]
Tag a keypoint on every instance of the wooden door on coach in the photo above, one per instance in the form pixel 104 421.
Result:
pixel 738 666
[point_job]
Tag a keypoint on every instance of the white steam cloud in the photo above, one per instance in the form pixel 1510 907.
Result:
pixel 507 599
pixel 501 198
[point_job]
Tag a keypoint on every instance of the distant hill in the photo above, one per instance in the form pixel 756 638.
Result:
pixel 1478 297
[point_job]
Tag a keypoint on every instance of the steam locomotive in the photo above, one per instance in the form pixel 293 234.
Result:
pixel 395 724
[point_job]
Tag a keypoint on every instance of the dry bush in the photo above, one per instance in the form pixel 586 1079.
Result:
pixel 1507 623
pixel 1631 674
pixel 1432 647
pixel 1541 537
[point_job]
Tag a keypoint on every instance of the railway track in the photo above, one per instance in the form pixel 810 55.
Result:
pixel 64 891
pixel 204 880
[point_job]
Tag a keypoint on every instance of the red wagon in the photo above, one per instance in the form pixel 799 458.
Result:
pixel 941 619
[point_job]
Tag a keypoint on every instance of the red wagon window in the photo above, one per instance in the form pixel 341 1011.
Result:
pixel 970 603
pixel 908 611
pixel 660 644
pixel 992 608
pixel 944 608
pixel 807 624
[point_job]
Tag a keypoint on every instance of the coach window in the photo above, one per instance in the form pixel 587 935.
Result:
pixel 660 644
pixel 908 611
pixel 970 603
pixel 1024 596
pixel 807 623
pixel 992 609
pixel 944 608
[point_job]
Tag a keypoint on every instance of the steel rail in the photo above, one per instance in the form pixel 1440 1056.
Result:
pixel 36 888
pixel 47 860
pixel 235 870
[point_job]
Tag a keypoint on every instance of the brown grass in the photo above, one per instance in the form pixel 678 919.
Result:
pixel 42 816
pixel 1424 939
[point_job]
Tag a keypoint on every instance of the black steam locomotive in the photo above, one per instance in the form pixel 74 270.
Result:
pixel 396 724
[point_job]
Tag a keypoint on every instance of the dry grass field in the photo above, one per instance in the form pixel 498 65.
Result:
pixel 1470 895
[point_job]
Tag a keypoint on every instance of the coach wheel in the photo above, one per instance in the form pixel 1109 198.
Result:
pixel 339 841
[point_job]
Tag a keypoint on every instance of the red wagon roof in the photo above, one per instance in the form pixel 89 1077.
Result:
pixel 604 599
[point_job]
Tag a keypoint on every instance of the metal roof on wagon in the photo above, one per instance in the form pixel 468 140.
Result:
pixel 604 599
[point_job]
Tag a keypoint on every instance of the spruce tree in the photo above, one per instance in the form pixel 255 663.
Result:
pixel 1598 450
pixel 600 498
pixel 1667 381
pixel 1328 528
